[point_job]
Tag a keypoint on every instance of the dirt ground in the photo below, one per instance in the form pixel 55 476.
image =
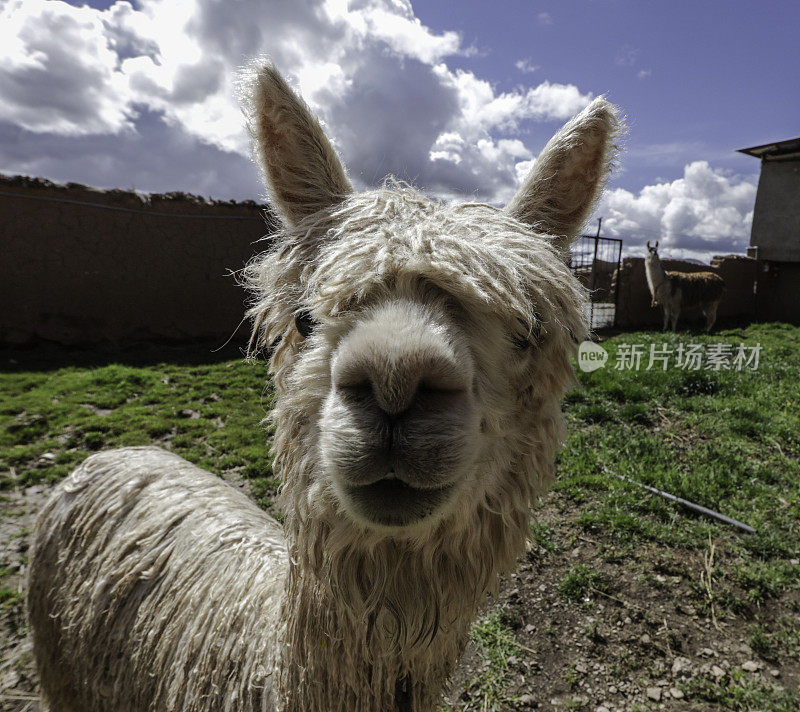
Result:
pixel 638 645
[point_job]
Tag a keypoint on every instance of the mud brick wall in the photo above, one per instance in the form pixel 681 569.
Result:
pixel 633 305
pixel 79 265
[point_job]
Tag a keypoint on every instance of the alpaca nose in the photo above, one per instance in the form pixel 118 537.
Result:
pixel 394 382
pixel 395 360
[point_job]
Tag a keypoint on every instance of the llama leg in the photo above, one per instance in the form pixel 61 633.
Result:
pixel 711 315
pixel 666 319
pixel 675 314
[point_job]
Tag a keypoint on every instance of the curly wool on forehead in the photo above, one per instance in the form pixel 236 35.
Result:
pixel 376 240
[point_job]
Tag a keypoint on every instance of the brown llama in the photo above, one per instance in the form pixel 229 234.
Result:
pixel 676 291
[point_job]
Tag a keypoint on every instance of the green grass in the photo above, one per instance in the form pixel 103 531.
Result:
pixel 740 691
pixel 497 646
pixel 50 420
pixel 581 582
pixel 9 596
pixel 727 440
pixel 783 639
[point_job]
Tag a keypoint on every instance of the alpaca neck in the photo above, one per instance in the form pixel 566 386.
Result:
pixel 657 278
pixel 392 654
pixel 379 626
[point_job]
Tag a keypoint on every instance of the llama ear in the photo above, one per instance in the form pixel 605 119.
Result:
pixel 298 163
pixel 569 175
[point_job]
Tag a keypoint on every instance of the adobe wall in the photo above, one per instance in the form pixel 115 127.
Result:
pixel 633 304
pixel 86 265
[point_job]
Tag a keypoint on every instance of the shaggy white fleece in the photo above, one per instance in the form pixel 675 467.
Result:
pixel 439 334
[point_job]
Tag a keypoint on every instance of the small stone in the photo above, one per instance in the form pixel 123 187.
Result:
pixel 794 562
pixel 48 456
pixel 613 689
pixel 627 621
pixel 601 708
pixel 645 639
pixel 530 628
pixel 654 693
pixel 680 664
pixel 775 673
pixel 750 666
pixel 707 652
pixel 717 671
pixel 527 700
pixel 676 693
pixel 581 668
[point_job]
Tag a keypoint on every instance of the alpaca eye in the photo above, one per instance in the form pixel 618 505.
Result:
pixel 529 336
pixel 304 323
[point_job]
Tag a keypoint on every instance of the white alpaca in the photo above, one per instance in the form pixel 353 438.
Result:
pixel 420 354
pixel 675 291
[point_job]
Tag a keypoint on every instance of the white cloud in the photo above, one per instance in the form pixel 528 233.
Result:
pixel 57 71
pixel 526 66
pixel 472 138
pixel 704 213
pixel 144 95
pixel 376 75
pixel 544 18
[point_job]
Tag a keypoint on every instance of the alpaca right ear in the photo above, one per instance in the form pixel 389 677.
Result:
pixel 569 175
pixel 298 163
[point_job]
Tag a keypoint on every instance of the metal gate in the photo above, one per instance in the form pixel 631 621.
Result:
pixel 595 261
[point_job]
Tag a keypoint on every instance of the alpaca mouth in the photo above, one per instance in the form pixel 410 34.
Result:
pixel 390 502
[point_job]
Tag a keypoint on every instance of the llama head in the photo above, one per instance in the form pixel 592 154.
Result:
pixel 652 262
pixel 419 350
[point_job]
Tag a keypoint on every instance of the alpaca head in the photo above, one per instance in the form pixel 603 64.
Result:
pixel 420 350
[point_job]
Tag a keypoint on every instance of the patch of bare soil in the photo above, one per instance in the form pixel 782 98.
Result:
pixel 648 641
pixel 645 642
pixel 18 680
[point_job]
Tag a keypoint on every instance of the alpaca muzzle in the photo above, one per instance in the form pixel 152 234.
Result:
pixel 400 423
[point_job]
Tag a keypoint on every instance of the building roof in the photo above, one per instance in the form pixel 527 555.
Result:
pixel 772 150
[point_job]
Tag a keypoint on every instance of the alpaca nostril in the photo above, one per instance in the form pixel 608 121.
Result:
pixel 395 385
pixel 357 392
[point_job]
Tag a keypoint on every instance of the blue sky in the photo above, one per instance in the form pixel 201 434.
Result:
pixel 141 95
pixel 702 78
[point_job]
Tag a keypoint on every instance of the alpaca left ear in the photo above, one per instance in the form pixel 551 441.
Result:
pixel 297 161
pixel 569 175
